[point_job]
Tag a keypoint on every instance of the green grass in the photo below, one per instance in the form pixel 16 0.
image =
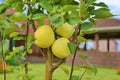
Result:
pixel 38 71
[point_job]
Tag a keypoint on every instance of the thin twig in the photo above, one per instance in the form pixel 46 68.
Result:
pixel 83 74
pixel 34 28
pixel 58 64
pixel 43 53
pixel 77 32
pixel 3 55
pixel 72 66
pixel 26 36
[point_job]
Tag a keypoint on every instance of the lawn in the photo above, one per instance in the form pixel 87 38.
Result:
pixel 37 71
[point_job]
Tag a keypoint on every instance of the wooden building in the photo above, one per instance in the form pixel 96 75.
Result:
pixel 104 52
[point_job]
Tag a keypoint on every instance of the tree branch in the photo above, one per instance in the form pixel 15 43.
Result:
pixel 58 64
pixel 3 55
pixel 77 32
pixel 43 53
pixel 83 74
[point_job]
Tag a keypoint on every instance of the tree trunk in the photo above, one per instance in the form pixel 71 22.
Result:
pixel 49 63
pixel 48 71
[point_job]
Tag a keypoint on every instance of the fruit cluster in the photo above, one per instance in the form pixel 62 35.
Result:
pixel 45 37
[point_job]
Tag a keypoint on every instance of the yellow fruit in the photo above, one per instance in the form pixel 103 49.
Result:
pixel 38 44
pixel 60 48
pixel 65 30
pixel 44 36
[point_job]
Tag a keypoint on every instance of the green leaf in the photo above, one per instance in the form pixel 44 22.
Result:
pixel 66 71
pixel 81 39
pixel 74 14
pixel 57 9
pixel 23 26
pixel 18 38
pixel 8 1
pixel 20 49
pixel 21 55
pixel 5 24
pixel 11 54
pixel 39 16
pixel 101 4
pixel 46 5
pixel 5 44
pixel 29 40
pixel 73 20
pixel 17 17
pixel 92 21
pixel 75 77
pixel 94 69
pixel 9 29
pixel 89 2
pixel 86 25
pixel 70 8
pixel 2 18
pixel 85 67
pixel 83 10
pixel 83 56
pixel 33 1
pixel 3 7
pixel 90 9
pixel 102 13
pixel 19 7
pixel 8 57
pixel 29 51
pixel 56 20
pixel 91 31
pixel 72 47
pixel 40 21
pixel 13 34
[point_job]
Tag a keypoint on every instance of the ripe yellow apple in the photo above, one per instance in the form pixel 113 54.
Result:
pixel 44 36
pixel 65 30
pixel 60 48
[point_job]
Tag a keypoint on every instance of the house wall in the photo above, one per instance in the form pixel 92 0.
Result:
pixel 104 59
pixel 103 45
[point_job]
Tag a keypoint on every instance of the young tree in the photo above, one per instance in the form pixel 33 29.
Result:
pixel 68 21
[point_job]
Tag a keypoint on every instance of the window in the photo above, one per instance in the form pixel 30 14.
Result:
pixel 118 45
pixel 89 45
